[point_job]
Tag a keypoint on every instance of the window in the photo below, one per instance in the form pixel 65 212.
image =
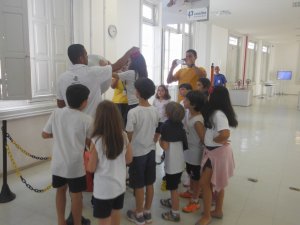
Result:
pixel 251 61
pixel 265 57
pixel 150 38
pixel 177 40
pixel 233 68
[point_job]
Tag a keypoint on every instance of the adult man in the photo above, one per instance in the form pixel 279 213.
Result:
pixel 97 79
pixel 190 74
pixel 219 79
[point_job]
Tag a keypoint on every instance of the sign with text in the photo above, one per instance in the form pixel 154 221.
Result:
pixel 199 14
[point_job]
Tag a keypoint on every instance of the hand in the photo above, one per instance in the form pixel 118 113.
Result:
pixel 174 63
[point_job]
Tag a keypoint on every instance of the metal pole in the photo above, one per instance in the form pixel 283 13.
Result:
pixel 6 195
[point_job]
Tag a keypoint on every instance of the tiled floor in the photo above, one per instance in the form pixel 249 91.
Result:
pixel 266 147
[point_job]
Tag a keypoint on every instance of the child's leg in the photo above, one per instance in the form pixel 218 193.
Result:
pixel 76 207
pixel 218 212
pixel 149 197
pixel 106 221
pixel 61 204
pixel 207 196
pixel 175 200
pixel 115 217
pixel 139 199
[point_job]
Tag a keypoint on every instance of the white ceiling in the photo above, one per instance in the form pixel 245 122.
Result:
pixel 275 21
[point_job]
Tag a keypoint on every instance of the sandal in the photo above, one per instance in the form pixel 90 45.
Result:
pixel 170 216
pixel 166 203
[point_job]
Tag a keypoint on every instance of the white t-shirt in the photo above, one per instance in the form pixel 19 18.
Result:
pixel 174 160
pixel 96 78
pixel 193 154
pixel 142 121
pixel 110 175
pixel 219 122
pixel 129 77
pixel 70 128
pixel 161 108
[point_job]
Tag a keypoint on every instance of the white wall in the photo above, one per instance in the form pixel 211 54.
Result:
pixel 27 133
pixel 286 57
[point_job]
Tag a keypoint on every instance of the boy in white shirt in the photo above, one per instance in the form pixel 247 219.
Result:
pixel 142 122
pixel 70 129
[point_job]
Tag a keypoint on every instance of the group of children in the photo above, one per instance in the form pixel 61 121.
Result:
pixel 194 134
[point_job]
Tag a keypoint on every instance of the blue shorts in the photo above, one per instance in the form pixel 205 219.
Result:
pixel 142 171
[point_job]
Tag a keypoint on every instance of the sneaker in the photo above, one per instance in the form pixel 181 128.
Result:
pixel 163 185
pixel 84 221
pixel 131 215
pixel 148 217
pixel 170 216
pixel 185 194
pixel 191 207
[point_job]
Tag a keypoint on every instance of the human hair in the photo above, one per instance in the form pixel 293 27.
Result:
pixel 192 51
pixel 75 51
pixel 167 95
pixel 205 82
pixel 175 112
pixel 145 87
pixel 187 86
pixel 219 100
pixel 108 125
pixel 138 64
pixel 76 94
pixel 197 99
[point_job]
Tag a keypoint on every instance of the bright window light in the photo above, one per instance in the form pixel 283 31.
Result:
pixel 233 41
pixel 265 49
pixel 251 45
pixel 174 26
pixel 147 12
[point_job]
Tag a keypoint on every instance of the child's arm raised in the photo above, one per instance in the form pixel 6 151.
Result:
pixel 93 160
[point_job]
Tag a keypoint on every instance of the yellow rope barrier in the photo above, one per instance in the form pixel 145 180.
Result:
pixel 18 173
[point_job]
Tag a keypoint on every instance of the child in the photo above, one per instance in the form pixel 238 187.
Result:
pixel 217 163
pixel 203 85
pixel 70 139
pixel 183 90
pixel 173 141
pixel 162 98
pixel 194 101
pixel 141 124
pixel 137 68
pixel 110 152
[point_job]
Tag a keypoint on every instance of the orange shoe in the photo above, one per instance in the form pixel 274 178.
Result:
pixel 191 207
pixel 185 194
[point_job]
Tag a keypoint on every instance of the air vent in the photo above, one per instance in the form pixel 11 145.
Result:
pixel 296 4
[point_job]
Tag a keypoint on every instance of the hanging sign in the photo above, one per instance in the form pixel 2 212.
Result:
pixel 199 14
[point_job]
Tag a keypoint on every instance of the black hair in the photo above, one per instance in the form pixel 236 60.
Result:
pixel 145 87
pixel 76 94
pixel 75 51
pixel 187 86
pixel 192 51
pixel 219 100
pixel 205 82
pixel 138 64
pixel 197 100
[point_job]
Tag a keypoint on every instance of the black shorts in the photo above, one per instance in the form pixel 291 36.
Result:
pixel 77 184
pixel 142 171
pixel 103 208
pixel 193 171
pixel 172 181
pixel 123 107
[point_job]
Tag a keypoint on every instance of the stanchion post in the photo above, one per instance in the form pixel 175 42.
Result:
pixel 6 195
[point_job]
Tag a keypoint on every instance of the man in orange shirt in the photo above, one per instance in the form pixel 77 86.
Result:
pixel 190 74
